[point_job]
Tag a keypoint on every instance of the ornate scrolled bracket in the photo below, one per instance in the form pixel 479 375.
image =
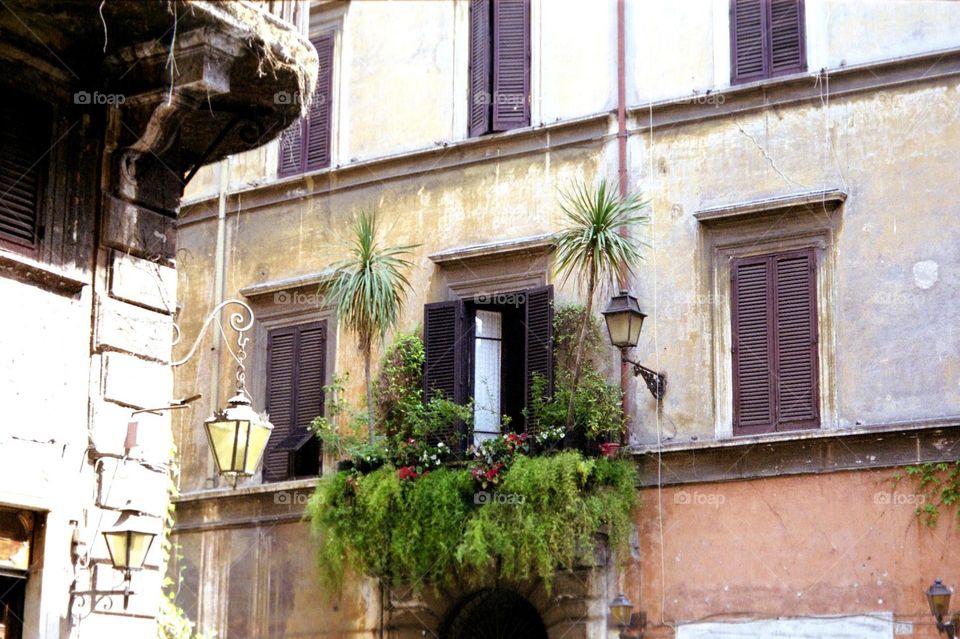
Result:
pixel 238 322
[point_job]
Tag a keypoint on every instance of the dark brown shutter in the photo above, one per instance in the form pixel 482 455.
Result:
pixel 444 340
pixel 766 38
pixel 748 45
pixel 24 140
pixel 311 369
pixel 753 370
pixel 787 46
pixel 481 54
pixel 511 64
pixel 305 145
pixel 317 152
pixel 539 338
pixel 296 368
pixel 281 376
pixel 796 340
pixel 774 328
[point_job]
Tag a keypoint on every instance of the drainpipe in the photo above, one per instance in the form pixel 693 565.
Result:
pixel 219 286
pixel 626 374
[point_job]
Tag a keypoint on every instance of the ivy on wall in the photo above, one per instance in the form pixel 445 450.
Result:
pixel 938 484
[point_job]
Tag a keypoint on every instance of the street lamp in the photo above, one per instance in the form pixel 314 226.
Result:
pixel 237 434
pixel 128 542
pixel 938 598
pixel 624 321
pixel 238 437
pixel 621 612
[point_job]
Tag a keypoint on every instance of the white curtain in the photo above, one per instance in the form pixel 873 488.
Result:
pixel 486 376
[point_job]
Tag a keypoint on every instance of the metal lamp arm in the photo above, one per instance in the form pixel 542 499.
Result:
pixel 656 382
pixel 237 323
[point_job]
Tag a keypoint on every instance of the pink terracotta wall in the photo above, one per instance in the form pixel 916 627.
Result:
pixel 812 545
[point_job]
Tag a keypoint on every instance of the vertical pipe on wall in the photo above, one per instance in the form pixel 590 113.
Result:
pixel 625 372
pixel 219 287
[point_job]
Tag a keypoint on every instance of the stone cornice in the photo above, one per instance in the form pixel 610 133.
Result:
pixel 535 244
pixel 799 452
pixel 816 87
pixel 827 199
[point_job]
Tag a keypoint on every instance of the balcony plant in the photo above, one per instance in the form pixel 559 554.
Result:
pixel 513 507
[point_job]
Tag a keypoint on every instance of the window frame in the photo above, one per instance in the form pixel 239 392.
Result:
pixel 754 232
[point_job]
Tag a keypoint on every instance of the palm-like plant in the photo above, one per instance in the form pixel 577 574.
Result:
pixel 592 250
pixel 369 289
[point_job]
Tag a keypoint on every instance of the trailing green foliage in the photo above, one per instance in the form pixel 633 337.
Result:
pixel 938 485
pixel 545 515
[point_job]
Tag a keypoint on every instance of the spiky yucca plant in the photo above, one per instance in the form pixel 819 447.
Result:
pixel 369 289
pixel 592 251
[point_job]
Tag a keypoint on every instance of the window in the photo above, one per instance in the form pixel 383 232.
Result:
pixel 296 364
pixel 24 140
pixel 305 146
pixel 489 348
pixel 499 65
pixel 775 349
pixel 766 39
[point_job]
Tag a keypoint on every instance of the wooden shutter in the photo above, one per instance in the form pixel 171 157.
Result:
pixel 539 338
pixel 774 330
pixel 291 149
pixel 24 139
pixel 796 340
pixel 445 339
pixel 281 378
pixel 305 145
pixel 481 54
pixel 766 38
pixel 752 320
pixel 748 45
pixel 511 64
pixel 787 41
pixel 296 368
pixel 317 151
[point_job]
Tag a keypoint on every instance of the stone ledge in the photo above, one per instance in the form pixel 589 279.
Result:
pixel 797 453
pixel 24 269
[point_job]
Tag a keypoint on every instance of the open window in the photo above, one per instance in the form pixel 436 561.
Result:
pixel 488 348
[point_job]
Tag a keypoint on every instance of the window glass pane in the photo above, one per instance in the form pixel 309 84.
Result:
pixel 486 376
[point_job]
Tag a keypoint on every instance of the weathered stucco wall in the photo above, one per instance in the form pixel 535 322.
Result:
pixel 487 201
pixel 894 272
pixel 394 93
pixel 840 544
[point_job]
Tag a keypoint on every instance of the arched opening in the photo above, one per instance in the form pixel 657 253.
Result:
pixel 493 613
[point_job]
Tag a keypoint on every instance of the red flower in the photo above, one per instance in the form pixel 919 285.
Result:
pixel 407 473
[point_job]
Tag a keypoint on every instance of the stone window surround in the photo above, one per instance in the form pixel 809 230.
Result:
pixel 760 227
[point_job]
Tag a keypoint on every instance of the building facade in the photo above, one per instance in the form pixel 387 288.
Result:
pixel 800 282
pixel 97 139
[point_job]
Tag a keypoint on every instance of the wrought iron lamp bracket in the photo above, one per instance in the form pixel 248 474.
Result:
pixel 239 322
pixel 656 382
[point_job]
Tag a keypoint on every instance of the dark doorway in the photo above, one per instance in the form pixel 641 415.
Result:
pixel 12 590
pixel 493 613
